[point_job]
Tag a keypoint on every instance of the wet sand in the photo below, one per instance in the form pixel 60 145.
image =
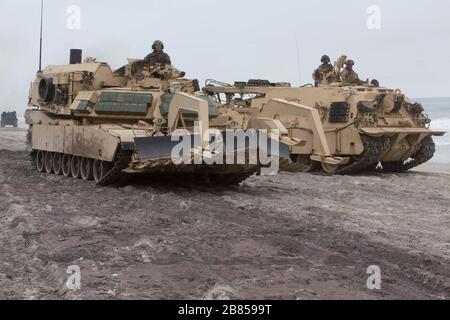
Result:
pixel 290 236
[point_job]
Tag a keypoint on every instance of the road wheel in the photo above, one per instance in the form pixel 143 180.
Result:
pixel 100 169
pixel 75 167
pixel 40 161
pixel 66 164
pixel 329 168
pixel 86 169
pixel 57 163
pixel 49 162
pixel 306 164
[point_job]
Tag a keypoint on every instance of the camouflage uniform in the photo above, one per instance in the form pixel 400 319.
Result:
pixel 323 73
pixel 157 58
pixel 348 76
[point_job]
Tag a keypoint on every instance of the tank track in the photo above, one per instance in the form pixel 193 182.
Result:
pixel 373 151
pixel 424 154
pixel 290 167
pixel 115 175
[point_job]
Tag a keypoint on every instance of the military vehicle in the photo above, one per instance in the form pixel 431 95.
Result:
pixel 338 128
pixel 9 119
pixel 89 122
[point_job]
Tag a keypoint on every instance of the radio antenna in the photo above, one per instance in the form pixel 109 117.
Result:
pixel 298 60
pixel 40 41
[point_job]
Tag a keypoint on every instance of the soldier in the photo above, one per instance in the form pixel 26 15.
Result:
pixel 324 73
pixel 158 56
pixel 349 76
pixel 375 83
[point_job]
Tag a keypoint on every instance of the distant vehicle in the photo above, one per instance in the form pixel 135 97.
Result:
pixel 9 119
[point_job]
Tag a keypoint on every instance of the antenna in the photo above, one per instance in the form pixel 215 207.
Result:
pixel 298 60
pixel 40 43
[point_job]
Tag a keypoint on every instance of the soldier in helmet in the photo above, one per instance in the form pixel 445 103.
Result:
pixel 324 73
pixel 158 56
pixel 349 76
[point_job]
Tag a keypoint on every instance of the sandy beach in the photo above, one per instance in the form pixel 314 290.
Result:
pixel 290 236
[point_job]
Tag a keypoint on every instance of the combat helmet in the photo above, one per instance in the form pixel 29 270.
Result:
pixel 158 42
pixel 350 62
pixel 325 59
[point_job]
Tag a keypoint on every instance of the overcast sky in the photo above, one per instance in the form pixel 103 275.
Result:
pixel 232 40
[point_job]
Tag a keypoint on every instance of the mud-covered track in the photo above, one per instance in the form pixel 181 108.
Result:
pixel 112 174
pixel 367 162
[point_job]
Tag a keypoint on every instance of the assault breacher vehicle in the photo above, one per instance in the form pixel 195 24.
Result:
pixel 9 119
pixel 338 128
pixel 89 122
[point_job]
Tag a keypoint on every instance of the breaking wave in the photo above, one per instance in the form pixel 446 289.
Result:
pixel 441 124
pixel 442 143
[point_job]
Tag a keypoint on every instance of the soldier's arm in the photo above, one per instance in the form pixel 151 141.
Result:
pixel 344 76
pixel 168 61
pixel 316 75
pixel 356 80
pixel 147 59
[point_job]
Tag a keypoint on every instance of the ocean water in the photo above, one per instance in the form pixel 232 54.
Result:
pixel 438 109
pixel 21 122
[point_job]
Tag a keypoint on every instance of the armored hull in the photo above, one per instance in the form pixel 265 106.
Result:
pixel 88 122
pixel 339 128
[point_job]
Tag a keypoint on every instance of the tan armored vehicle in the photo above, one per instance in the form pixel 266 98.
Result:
pixel 336 127
pixel 89 122
pixel 9 119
